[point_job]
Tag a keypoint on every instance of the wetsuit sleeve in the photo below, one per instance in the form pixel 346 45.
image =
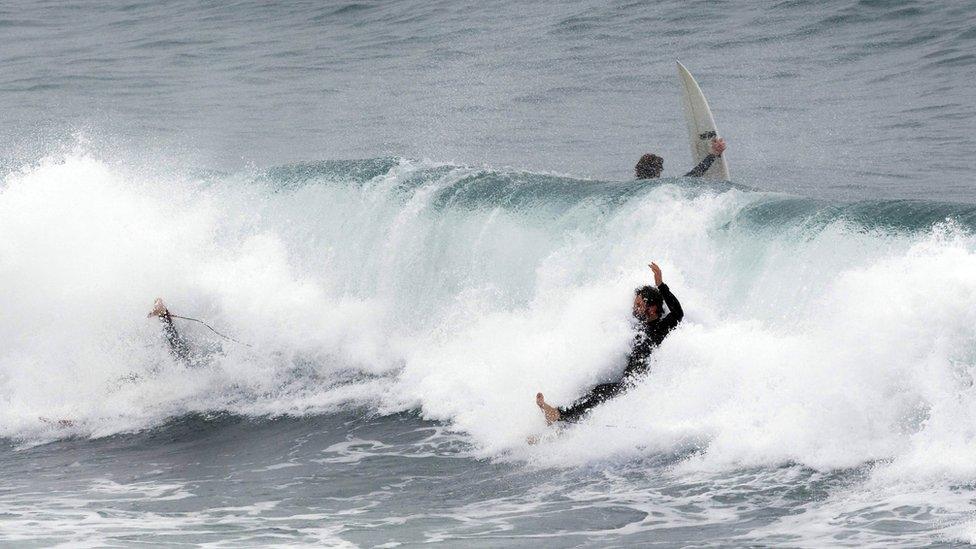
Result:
pixel 676 312
pixel 702 166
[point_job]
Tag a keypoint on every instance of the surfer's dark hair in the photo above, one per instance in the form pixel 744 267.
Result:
pixel 649 166
pixel 652 296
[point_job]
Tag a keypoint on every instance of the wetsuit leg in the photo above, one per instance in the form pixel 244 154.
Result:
pixel 598 395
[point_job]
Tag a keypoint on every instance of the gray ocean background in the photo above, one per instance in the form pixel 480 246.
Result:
pixel 411 216
pixel 841 99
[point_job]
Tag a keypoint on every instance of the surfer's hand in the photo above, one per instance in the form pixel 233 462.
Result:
pixel 159 309
pixel 718 146
pixel 658 279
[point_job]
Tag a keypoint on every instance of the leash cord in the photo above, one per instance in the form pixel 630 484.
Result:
pixel 211 329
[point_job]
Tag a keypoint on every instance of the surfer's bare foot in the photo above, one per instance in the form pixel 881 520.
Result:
pixel 159 308
pixel 552 414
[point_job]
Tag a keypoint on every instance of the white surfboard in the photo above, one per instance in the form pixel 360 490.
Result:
pixel 701 125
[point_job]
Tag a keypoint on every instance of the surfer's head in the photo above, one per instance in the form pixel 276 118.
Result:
pixel 649 166
pixel 647 303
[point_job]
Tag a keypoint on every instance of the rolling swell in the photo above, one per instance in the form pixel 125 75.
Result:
pixel 581 90
pixel 521 190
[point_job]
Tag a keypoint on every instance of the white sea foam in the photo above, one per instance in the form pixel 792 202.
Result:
pixel 827 345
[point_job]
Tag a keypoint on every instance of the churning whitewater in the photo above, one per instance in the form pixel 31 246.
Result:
pixel 818 334
pixel 819 337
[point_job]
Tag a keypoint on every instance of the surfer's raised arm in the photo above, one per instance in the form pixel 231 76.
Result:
pixel 718 147
pixel 676 313
pixel 650 165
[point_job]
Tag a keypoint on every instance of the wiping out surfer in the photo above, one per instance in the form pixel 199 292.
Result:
pixel 177 344
pixel 652 326
pixel 650 165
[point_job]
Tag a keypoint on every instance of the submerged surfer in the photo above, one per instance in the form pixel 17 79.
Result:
pixel 650 165
pixel 653 325
pixel 177 345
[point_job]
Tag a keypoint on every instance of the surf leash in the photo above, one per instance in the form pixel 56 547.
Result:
pixel 227 337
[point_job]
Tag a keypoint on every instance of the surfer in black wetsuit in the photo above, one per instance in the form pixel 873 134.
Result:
pixel 650 165
pixel 652 328
pixel 177 345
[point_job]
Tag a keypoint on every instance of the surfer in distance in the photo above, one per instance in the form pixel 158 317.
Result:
pixel 652 326
pixel 650 165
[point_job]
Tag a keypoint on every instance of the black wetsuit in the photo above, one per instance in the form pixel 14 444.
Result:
pixel 649 336
pixel 702 166
pixel 177 345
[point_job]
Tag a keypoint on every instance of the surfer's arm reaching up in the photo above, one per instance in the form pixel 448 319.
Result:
pixel 718 147
pixel 702 166
pixel 675 312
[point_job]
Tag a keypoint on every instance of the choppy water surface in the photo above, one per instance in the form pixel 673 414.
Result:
pixel 354 480
pixel 418 215
pixel 842 99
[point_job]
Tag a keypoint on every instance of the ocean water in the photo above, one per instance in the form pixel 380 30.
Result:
pixel 411 217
